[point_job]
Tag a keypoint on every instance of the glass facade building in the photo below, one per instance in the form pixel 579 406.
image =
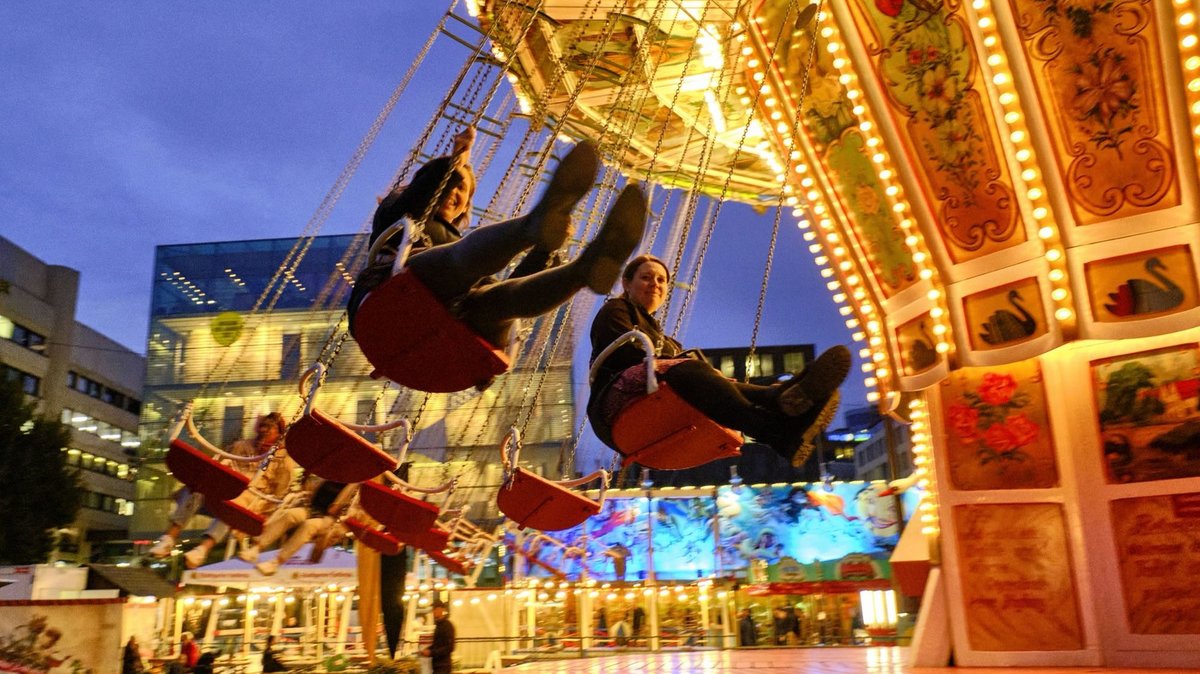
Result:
pixel 235 324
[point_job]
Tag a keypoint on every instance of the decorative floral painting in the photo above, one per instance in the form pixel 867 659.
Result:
pixel 1135 287
pixel 997 430
pixel 1098 72
pixel 1004 316
pixel 832 128
pixel 926 62
pixel 1148 409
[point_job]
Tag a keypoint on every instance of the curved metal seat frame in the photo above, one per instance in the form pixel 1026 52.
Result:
pixel 333 449
pixel 531 500
pixel 437 353
pixel 661 430
pixel 400 512
pixel 200 472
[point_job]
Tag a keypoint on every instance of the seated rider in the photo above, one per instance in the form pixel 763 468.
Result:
pixel 458 270
pixel 310 515
pixel 785 415
pixel 272 481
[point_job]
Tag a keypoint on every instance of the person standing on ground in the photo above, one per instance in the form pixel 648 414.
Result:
pixel 747 632
pixel 132 663
pixel 270 661
pixel 442 648
pixel 188 649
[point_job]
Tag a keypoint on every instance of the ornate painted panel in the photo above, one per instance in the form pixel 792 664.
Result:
pixel 1158 550
pixel 1148 410
pixel 1017 583
pixel 924 58
pixel 1098 71
pixel 833 133
pixel 997 429
pixel 917 346
pixel 1004 316
pixel 1142 285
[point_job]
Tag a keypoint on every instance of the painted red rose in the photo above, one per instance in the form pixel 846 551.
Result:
pixel 997 389
pixel 915 56
pixel 1023 430
pixel 889 7
pixel 999 438
pixel 964 419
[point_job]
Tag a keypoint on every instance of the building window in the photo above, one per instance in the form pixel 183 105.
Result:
pixel 793 361
pixel 94 389
pixel 19 334
pixel 30 384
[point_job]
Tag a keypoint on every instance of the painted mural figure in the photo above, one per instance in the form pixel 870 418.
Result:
pixel 1141 296
pixel 1005 326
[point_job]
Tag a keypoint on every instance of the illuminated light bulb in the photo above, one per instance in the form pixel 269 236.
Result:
pixel 826 31
pixel 1000 79
pixel 808 235
pixel 899 206
pixel 882 372
pixel 869 382
pixel 1034 194
pixel 1023 155
pixel 868 308
pixel 985 22
pixel 833 47
pixel 1062 314
pixel 832 237
pixel 1017 136
pixel 1007 97
pixel 758 77
pixel 753 63
pixel 891 190
pixel 939 328
pixel 918 257
pixel 764 89
pixel 852 323
pixel 859 293
pixel 844 78
pixel 979 4
pixel 941 347
pixel 875 341
pixel 1045 232
pixel 845 265
pixel 885 174
pixel 852 280
pixel 1028 174
pixel 1189 41
pixel 872 397
pixel 858 336
pixel 1194 85
pixel 1192 63
pixel 925 274
pixel 745 100
pixel 873 326
pixel 933 294
pixel 844 310
pixel 852 94
pixel 1040 213
pixel 1187 19
pixel 839 298
pixel 937 312
pixel 775 114
pixel 820 259
pixel 781 127
pixel 872 142
pixel 813 195
pixel 858 110
pixel 1059 294
pixel 1054 254
pixel 839 251
pixel 866 126
pixel 806 181
pixel 826 273
pixel 814 249
pixel 911 241
pixel 995 60
pixel 990 41
pixel 1056 275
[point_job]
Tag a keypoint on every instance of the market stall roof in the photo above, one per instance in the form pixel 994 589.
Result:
pixel 129 580
pixel 337 566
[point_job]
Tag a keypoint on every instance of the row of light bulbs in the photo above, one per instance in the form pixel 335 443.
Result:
pixel 922 452
pixel 1189 55
pixel 1031 177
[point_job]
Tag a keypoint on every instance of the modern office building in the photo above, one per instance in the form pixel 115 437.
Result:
pixel 235 324
pixel 77 374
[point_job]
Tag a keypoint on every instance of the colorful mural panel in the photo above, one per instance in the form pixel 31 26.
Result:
pixel 1005 316
pixel 1098 71
pixel 1158 549
pixel 997 429
pixel 1147 284
pixel 685 547
pixel 1017 584
pixel 925 60
pixel 1148 407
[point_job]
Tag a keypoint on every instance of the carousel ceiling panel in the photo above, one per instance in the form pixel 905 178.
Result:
pixel 651 83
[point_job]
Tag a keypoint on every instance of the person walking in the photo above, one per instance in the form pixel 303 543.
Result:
pixel 440 651
pixel 747 632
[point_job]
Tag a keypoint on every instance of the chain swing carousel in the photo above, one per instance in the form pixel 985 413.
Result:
pixel 1002 196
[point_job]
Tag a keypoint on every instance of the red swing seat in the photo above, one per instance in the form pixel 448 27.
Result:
pixel 237 516
pixel 433 539
pixel 376 539
pixel 326 447
pixel 411 338
pixel 531 500
pixel 661 431
pixel 395 510
pixel 451 564
pixel 203 475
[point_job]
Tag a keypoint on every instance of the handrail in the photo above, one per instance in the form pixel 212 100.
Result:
pixel 631 336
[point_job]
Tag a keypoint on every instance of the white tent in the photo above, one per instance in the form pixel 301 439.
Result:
pixel 337 567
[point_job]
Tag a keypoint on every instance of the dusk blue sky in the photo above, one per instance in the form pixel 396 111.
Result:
pixel 132 124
